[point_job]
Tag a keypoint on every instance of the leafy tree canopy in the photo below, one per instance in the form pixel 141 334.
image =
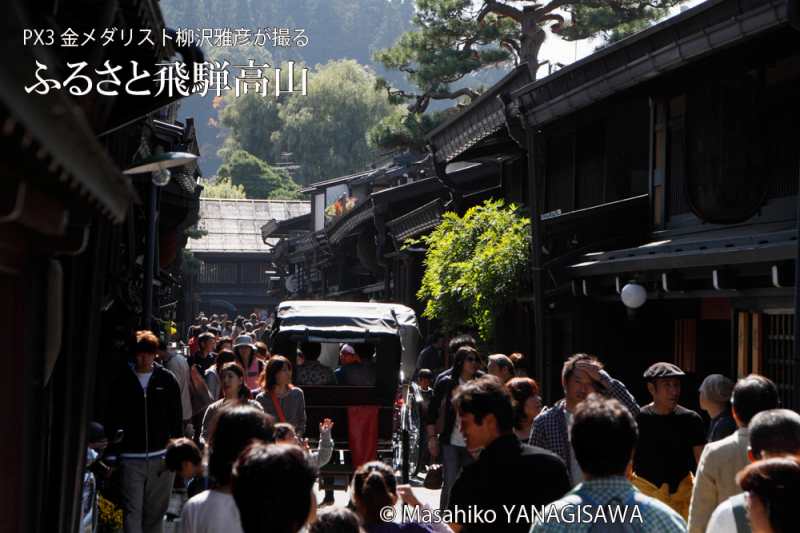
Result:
pixel 258 179
pixel 223 188
pixel 325 131
pixel 453 38
pixel 474 265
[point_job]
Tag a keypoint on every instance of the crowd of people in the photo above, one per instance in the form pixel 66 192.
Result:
pixel 661 458
pixel 226 425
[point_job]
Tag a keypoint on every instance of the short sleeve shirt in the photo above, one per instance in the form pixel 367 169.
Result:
pixel 665 450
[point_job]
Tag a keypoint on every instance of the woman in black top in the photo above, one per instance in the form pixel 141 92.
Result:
pixel 449 444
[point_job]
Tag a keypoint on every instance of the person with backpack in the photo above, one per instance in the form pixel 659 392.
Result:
pixel 773 434
pixel 605 463
pixel 715 480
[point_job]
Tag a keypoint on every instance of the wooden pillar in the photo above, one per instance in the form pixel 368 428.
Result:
pixel 535 174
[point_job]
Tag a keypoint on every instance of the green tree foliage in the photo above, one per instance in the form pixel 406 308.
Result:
pixel 453 38
pixel 335 28
pixel 223 188
pixel 474 265
pixel 403 128
pixel 252 119
pixel 326 130
pixel 258 179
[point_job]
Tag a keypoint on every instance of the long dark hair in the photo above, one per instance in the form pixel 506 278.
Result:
pixel 459 358
pixel 235 427
pixel 244 393
pixel 375 486
pixel 268 378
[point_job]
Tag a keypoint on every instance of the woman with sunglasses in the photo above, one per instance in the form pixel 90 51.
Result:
pixel 443 426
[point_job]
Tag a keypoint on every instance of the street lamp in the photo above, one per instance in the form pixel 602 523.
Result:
pixel 158 165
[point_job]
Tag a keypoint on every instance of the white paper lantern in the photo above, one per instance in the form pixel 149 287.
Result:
pixel 633 295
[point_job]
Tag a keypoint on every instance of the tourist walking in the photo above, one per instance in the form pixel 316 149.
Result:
pixel 507 474
pixel 720 461
pixel 527 405
pixel 215 510
pixel 671 439
pixel 443 426
pixel 234 392
pixel 581 375
pixel 773 433
pixel 715 399
pixel 603 436
pixel 279 397
pixel 146 406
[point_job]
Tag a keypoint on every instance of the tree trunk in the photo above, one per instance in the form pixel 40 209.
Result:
pixel 533 37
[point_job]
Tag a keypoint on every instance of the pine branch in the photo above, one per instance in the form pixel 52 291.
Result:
pixel 491 6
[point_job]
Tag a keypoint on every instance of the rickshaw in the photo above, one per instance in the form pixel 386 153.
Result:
pixel 390 330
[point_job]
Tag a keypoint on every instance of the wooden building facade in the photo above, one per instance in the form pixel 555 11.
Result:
pixel 669 160
pixel 233 273
pixel 71 229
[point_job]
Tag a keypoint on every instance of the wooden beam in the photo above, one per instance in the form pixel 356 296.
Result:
pixel 743 345
pixel 757 343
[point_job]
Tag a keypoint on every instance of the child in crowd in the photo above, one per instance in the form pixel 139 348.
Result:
pixel 285 434
pixel 185 459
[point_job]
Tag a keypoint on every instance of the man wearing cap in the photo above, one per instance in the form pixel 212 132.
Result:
pixel 671 439
pixel 721 460
pixel 245 352
pixel 715 399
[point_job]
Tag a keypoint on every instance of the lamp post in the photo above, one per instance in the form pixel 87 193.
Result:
pixel 158 165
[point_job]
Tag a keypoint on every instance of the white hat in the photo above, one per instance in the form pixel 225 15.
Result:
pixel 346 348
pixel 244 340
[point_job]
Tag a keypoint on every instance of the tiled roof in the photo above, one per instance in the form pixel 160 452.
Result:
pixel 235 225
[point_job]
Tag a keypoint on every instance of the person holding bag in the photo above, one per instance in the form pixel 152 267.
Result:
pixel 279 397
